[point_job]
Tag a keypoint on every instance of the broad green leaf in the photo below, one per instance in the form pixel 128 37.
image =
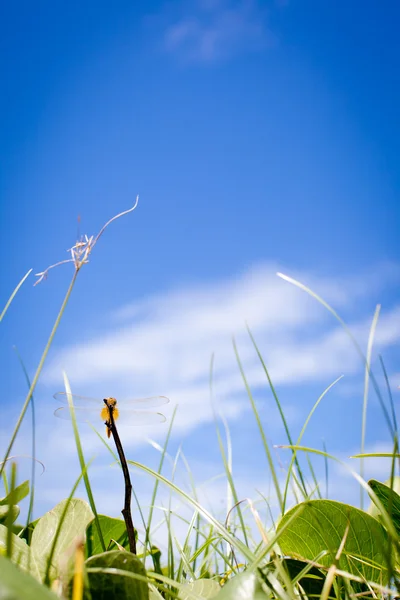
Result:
pixel 322 525
pixel 4 512
pixel 112 529
pixel 245 586
pixel 20 492
pixel 17 585
pixel 74 525
pixel 21 553
pixel 389 498
pixel 205 588
pixel 117 586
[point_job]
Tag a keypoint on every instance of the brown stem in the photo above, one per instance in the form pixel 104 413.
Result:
pixel 126 511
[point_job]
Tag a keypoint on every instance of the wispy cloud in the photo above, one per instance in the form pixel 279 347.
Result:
pixel 163 345
pixel 206 31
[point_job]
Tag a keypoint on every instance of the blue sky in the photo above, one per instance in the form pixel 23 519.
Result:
pixel 261 137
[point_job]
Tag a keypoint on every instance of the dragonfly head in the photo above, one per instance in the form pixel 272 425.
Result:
pixel 110 402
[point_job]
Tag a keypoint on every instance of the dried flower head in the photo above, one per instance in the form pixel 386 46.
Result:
pixel 83 247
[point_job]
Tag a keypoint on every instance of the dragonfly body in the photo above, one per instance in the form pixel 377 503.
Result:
pixel 91 409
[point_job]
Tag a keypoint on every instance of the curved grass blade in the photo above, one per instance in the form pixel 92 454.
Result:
pixel 33 470
pixel 227 463
pixel 352 338
pixel 82 461
pixel 301 437
pixel 278 404
pixel 260 427
pixel 60 524
pixel 38 371
pixel 365 396
pixel 11 298
pixel 153 497
pixel 207 515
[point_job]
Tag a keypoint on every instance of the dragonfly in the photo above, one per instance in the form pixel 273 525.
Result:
pixel 128 412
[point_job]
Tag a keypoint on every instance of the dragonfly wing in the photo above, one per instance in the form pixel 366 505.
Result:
pixel 91 415
pixel 140 403
pixel 78 400
pixel 136 418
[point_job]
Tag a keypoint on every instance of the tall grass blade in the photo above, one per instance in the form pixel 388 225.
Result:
pixel 153 497
pixel 260 427
pixel 365 398
pixel 10 516
pixel 278 404
pixel 82 461
pixel 11 298
pixel 60 524
pixel 38 371
pixel 33 468
pixel 302 432
pixel 389 391
pixel 352 338
pixel 235 542
pixel 227 462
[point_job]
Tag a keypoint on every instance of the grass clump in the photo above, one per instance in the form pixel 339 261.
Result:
pixel 318 548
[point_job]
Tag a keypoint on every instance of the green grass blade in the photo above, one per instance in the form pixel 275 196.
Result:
pixel 302 433
pixel 278 404
pixel 153 497
pixel 33 469
pixel 82 460
pixel 227 462
pixel 389 391
pixel 365 398
pixel 38 371
pixel 236 543
pixel 260 427
pixel 60 524
pixel 352 338
pixel 11 298
pixel 326 471
pixel 10 517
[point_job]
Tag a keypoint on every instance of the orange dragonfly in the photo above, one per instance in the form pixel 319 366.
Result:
pixel 128 412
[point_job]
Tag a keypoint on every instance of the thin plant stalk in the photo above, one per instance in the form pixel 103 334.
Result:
pixel 126 511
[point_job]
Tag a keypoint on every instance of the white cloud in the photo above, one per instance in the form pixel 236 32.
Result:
pixel 206 31
pixel 163 345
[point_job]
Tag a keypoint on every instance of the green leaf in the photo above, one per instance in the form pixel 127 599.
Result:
pixel 321 527
pixel 4 512
pixel 15 584
pixel 116 585
pixel 77 517
pixel 245 586
pixel 20 492
pixel 21 554
pixel 389 498
pixel 206 588
pixel 112 529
